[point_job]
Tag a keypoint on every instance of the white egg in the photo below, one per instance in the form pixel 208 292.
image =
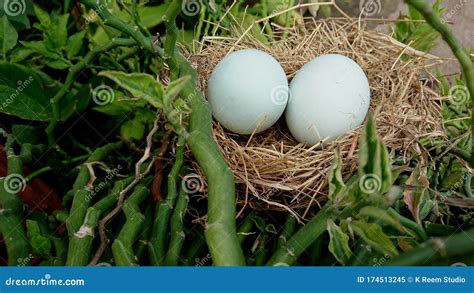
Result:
pixel 329 97
pixel 248 91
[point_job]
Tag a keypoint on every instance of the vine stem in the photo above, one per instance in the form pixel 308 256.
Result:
pixel 177 228
pixel 82 188
pixel 139 175
pixel 436 248
pixel 164 208
pixel 80 243
pixel 122 248
pixel 302 239
pixel 220 233
pixel 11 208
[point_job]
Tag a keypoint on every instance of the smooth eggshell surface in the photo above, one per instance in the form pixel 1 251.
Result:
pixel 247 91
pixel 329 97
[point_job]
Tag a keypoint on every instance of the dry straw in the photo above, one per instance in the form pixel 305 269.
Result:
pixel 272 170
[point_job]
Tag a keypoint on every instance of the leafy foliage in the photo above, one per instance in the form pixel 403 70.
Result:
pixel 419 34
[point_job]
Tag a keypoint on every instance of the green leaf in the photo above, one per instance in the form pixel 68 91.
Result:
pixel 338 242
pixel 175 88
pixel 374 236
pixel 26 134
pixel 74 44
pixel 116 108
pixel 152 16
pixel 56 34
pixel 140 85
pixel 336 184
pixel 413 194
pixel 420 35
pixel 374 163
pixel 8 35
pixel 20 54
pixel 57 64
pixel 22 94
pixel 40 48
pixel 18 104
pixel 383 216
pixel 132 130
pixel 40 244
pixel 43 17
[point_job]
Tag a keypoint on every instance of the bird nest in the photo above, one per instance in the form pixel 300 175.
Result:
pixel 272 170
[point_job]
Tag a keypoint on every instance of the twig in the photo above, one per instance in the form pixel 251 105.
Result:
pixel 104 241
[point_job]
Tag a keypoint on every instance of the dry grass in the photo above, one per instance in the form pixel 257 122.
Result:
pixel 272 170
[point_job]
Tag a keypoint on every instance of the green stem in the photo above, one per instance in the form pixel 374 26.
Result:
pixel 80 244
pixel 171 36
pixel 122 248
pixel 11 208
pixel 158 239
pixel 407 223
pixel 46 169
pixel 141 246
pixel 262 251
pixel 221 233
pixel 245 228
pixel 177 229
pixel 195 250
pixel 81 190
pixel 302 239
pixel 287 232
pixel 459 244
pixel 439 230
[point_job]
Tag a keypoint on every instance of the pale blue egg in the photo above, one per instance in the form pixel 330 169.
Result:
pixel 248 91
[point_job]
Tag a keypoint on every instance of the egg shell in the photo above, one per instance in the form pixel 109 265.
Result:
pixel 329 96
pixel 248 91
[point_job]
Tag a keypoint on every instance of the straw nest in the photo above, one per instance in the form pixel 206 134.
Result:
pixel 272 170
